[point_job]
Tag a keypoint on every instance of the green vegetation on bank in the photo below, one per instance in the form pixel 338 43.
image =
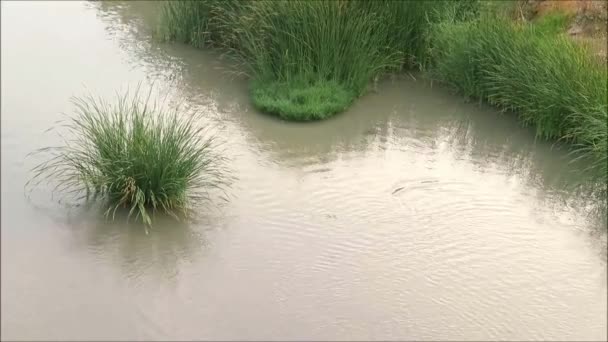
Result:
pixel 133 155
pixel 549 81
pixel 309 60
pixel 553 23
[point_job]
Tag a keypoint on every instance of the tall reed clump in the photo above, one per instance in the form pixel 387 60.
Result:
pixel 194 22
pixel 551 82
pixel 134 155
pixel 307 59
pixel 404 24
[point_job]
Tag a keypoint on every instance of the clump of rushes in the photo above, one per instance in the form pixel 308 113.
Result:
pixel 307 60
pixel 195 22
pixel 551 82
pixel 185 22
pixel 404 24
pixel 134 155
pixel 308 48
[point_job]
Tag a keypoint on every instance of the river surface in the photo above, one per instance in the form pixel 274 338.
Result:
pixel 412 216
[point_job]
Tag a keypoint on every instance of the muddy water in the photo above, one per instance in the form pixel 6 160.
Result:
pixel 412 216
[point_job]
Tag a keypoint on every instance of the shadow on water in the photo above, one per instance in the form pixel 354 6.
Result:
pixel 402 114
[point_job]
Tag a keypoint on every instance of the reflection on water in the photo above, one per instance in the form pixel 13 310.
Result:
pixel 413 216
pixel 141 251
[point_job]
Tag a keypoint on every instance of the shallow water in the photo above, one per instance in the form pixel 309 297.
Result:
pixel 412 216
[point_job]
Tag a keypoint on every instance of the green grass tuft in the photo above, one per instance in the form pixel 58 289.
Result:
pixel 134 155
pixel 312 47
pixel 553 23
pixel 194 22
pixel 185 22
pixel 300 101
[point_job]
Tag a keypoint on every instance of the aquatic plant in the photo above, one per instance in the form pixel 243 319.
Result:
pixel 403 24
pixel 195 22
pixel 551 83
pixel 184 21
pixel 296 48
pixel 300 101
pixel 308 47
pixel 134 155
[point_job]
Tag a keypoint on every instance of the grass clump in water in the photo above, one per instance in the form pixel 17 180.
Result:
pixel 185 22
pixel 193 22
pixel 134 155
pixel 551 82
pixel 300 101
pixel 309 47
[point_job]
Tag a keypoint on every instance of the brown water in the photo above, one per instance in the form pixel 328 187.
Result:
pixel 412 216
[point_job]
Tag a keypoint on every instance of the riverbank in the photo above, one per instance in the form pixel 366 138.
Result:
pixel 311 60
pixel 549 81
